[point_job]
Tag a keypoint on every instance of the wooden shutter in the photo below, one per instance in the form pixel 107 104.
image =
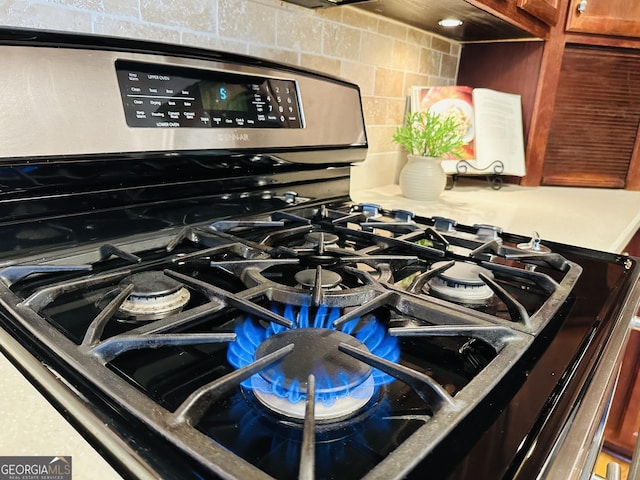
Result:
pixel 595 118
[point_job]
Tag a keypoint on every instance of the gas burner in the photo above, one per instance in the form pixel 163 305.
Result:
pixel 461 283
pixel 154 296
pixel 328 279
pixel 343 384
pixel 314 238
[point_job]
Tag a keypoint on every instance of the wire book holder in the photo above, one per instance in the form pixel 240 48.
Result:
pixel 491 172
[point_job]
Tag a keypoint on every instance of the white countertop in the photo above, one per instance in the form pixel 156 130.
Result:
pixel 30 426
pixel 601 219
pixel 594 218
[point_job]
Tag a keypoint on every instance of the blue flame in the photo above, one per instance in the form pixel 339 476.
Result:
pixel 370 331
pixel 256 439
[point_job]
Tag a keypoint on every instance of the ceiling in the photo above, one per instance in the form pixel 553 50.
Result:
pixel 478 25
pixel 424 14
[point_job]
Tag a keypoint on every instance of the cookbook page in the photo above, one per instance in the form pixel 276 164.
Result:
pixel 499 133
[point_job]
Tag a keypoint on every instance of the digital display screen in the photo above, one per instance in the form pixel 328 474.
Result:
pixel 162 96
pixel 217 97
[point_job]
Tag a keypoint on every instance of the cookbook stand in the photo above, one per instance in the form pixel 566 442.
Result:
pixel 492 173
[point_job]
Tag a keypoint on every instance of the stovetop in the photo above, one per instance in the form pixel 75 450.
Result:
pixel 363 287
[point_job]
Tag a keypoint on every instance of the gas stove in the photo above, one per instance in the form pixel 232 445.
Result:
pixel 208 299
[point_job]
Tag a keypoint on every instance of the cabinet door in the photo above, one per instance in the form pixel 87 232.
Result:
pixel 621 432
pixel 517 15
pixel 607 17
pixel 545 10
pixel 595 119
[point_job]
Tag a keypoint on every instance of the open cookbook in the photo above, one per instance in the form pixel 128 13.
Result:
pixel 492 120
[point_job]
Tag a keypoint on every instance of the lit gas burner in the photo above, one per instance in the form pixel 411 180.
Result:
pixel 154 296
pixel 328 279
pixel 343 384
pixel 461 283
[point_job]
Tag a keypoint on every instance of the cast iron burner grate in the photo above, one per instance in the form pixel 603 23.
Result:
pixel 384 271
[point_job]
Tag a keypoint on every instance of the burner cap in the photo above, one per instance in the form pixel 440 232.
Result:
pixel 461 283
pixel 328 279
pixel 343 384
pixel 154 296
pixel 463 273
pixel 327 238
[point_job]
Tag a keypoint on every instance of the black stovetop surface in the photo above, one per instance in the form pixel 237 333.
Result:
pixel 528 406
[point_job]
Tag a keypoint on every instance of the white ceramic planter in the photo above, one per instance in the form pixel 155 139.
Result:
pixel 422 178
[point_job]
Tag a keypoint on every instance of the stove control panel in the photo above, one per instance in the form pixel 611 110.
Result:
pixel 163 96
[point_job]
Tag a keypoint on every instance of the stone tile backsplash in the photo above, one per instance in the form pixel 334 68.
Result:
pixel 382 56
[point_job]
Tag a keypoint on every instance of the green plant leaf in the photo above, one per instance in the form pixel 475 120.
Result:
pixel 430 135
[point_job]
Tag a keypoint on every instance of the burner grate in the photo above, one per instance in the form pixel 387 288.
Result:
pixel 428 331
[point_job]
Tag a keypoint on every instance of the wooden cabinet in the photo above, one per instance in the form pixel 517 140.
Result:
pixel 581 104
pixel 546 10
pixel 621 431
pixel 605 17
pixel 534 16
pixel 595 120
pixel 527 15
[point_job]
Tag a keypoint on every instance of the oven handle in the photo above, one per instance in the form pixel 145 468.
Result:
pixel 634 468
pixel 613 468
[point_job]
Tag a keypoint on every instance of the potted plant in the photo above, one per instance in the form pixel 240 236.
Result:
pixel 428 138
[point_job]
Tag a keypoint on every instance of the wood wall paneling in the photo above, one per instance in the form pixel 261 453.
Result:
pixel 511 67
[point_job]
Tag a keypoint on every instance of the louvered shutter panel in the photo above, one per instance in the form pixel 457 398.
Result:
pixel 595 119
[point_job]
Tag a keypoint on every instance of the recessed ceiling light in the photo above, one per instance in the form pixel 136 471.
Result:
pixel 450 22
